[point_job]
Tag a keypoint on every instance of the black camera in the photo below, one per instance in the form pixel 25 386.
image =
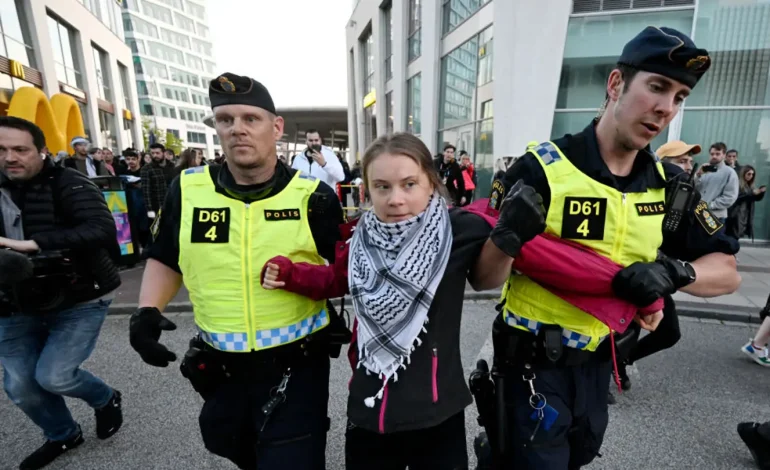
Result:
pixel 48 288
pixel 709 168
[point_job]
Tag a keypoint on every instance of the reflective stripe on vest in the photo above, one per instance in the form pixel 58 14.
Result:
pixel 224 244
pixel 624 227
pixel 266 338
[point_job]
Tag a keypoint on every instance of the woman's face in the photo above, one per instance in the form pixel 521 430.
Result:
pixel 98 155
pixel 198 159
pixel 466 160
pixel 147 158
pixel 749 176
pixel 399 188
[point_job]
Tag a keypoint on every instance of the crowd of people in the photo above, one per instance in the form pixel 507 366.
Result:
pixel 583 234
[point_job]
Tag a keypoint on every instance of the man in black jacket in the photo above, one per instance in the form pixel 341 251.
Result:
pixel 49 325
pixel 451 175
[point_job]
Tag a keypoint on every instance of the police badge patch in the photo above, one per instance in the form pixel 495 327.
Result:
pixel 710 223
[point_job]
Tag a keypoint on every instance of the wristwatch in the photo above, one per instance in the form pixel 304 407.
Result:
pixel 689 270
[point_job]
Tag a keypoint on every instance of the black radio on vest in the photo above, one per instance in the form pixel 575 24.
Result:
pixel 680 202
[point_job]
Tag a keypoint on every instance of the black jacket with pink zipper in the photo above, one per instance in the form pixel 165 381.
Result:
pixel 433 387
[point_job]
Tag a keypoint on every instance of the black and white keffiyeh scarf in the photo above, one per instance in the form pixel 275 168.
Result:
pixel 394 271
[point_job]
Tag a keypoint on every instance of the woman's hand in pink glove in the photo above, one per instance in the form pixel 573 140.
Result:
pixel 649 322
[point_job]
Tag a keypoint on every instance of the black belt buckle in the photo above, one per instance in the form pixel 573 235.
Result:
pixel 554 348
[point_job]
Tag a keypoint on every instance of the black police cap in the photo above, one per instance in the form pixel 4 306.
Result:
pixel 667 52
pixel 229 88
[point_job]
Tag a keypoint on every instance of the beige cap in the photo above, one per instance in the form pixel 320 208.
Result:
pixel 676 148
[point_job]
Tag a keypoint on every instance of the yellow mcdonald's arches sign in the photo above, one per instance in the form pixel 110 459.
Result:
pixel 59 117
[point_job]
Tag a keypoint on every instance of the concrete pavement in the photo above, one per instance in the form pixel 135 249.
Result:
pixel 743 305
pixel 681 412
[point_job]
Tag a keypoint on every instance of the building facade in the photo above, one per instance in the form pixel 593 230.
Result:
pixel 173 62
pixel 73 47
pixel 489 76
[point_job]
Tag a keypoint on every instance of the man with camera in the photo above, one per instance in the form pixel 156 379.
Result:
pixel 51 312
pixel 319 161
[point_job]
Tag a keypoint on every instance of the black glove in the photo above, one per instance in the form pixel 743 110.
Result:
pixel 522 218
pixel 144 332
pixel 644 283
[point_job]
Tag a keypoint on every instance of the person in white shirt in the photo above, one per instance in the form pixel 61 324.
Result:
pixel 319 161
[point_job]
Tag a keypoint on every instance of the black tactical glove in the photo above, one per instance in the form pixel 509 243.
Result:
pixel 644 283
pixel 144 332
pixel 522 218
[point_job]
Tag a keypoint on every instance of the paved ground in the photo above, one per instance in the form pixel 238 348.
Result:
pixel 681 413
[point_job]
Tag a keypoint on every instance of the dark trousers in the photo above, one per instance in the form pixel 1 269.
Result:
pixel 233 425
pixel 579 395
pixel 442 447
pixel 665 336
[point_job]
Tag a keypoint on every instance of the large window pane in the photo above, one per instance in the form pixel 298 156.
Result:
pixel 486 72
pixel 458 77
pixel 457 11
pixel 389 112
pixel 746 131
pixel 388 43
pixel 415 25
pixel 461 137
pixel 367 51
pixel 737 36
pixel 484 157
pixel 67 63
pixel 413 123
pixel 593 46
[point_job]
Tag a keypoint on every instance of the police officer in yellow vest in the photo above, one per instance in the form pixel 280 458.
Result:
pixel 261 357
pixel 605 189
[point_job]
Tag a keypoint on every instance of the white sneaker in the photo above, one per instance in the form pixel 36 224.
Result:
pixel 757 355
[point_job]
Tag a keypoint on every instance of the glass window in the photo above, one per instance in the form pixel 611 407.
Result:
pixel 747 131
pixel 592 48
pixel 140 26
pixel 151 68
pixel 146 88
pixel 388 42
pixel 184 22
pixel 196 137
pixel 459 70
pixel 107 128
pixel 367 51
pixel 413 104
pixel 197 11
pixel 486 69
pixel 137 46
pixel 203 30
pixel 175 38
pixel 370 124
pixel 194 62
pixel 389 112
pixel 216 139
pixel 210 67
pixel 173 3
pixel 202 47
pixel 84 112
pixel 737 36
pixel 415 25
pixel 483 156
pixel 461 137
pixel 166 53
pixel 102 66
pixel 156 11
pixel 124 85
pixel 15 42
pixel 67 64
pixel 457 11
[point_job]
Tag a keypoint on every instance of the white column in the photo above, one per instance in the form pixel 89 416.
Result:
pixel 378 33
pixel 353 107
pixel 37 25
pixel 82 50
pixel 527 66
pixel 118 101
pixel 359 97
pixel 400 15
pixel 431 70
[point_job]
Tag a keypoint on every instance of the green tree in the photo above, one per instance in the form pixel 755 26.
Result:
pixel 164 137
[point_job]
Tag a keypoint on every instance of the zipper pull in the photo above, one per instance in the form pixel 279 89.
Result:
pixel 435 352
pixel 624 198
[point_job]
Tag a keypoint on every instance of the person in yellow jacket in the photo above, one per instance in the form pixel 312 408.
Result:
pixel 605 189
pixel 260 358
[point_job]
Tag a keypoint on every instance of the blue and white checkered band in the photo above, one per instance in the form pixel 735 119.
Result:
pixel 547 152
pixel 569 338
pixel 266 338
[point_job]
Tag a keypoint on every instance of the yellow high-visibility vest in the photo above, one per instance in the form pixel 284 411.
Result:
pixel 624 227
pixel 224 244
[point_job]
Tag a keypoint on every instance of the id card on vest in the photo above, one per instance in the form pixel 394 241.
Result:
pixel 210 225
pixel 584 218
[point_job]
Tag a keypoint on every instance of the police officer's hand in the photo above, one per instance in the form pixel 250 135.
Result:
pixel 522 218
pixel 644 283
pixel 144 332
